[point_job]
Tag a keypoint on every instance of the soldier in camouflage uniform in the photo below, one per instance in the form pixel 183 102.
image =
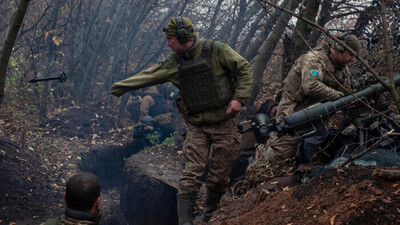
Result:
pixel 321 74
pixel 214 83
pixel 82 198
pixel 155 118
pixel 155 105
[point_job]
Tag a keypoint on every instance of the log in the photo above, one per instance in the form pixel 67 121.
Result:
pixel 388 174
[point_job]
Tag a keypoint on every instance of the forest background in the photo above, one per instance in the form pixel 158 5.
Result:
pixel 98 42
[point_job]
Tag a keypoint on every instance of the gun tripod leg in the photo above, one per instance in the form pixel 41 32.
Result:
pixel 361 136
pixel 359 123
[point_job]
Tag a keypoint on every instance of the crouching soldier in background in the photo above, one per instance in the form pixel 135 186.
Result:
pixel 82 198
pixel 155 119
pixel 155 104
pixel 152 101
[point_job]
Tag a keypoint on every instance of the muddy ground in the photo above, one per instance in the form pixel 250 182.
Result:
pixel 34 168
pixel 339 196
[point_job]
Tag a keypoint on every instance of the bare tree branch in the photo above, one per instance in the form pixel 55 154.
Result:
pixel 390 133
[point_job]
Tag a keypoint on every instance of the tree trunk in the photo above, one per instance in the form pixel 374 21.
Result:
pixel 213 21
pixel 76 69
pixel 239 23
pixel 267 50
pixel 389 62
pixel 51 61
pixel 300 37
pixel 325 16
pixel 9 44
pixel 252 51
pixel 87 77
pixel 254 27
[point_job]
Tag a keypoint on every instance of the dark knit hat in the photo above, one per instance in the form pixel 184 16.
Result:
pixel 353 42
pixel 172 27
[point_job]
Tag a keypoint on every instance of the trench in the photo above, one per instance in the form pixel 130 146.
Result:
pixel 134 192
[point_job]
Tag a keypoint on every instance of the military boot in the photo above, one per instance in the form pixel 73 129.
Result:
pixel 212 200
pixel 185 203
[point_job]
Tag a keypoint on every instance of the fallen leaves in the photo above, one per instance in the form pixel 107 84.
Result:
pixel 332 220
pixel 311 206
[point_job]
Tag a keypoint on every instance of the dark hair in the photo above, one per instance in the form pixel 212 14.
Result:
pixel 83 189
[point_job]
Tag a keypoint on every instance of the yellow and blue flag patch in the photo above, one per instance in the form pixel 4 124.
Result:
pixel 314 72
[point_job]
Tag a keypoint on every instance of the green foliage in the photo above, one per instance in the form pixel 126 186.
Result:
pixel 19 94
pixel 154 138
pixel 169 141
pixel 17 87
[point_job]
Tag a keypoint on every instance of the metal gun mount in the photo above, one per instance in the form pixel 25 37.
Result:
pixel 304 118
pixel 62 77
pixel 363 81
pixel 259 123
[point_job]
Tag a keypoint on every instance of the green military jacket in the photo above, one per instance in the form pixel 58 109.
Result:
pixel 312 78
pixel 223 59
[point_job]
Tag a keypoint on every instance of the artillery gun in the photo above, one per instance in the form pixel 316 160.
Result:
pixel 313 115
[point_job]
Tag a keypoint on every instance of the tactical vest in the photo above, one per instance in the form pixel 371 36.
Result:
pixel 200 88
pixel 159 107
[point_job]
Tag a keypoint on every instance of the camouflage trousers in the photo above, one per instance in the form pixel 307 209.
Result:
pixel 165 118
pixel 280 148
pixel 274 159
pixel 218 143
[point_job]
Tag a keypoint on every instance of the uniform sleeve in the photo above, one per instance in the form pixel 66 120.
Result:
pixel 156 74
pixel 312 75
pixel 145 105
pixel 241 71
pixel 348 76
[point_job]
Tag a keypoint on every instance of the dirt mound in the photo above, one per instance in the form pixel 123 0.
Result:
pixel 24 184
pixel 82 122
pixel 33 175
pixel 338 196
pixel 150 178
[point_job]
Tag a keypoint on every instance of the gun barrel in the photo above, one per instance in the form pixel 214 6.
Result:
pixel 303 118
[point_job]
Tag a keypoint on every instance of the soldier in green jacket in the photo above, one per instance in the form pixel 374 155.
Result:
pixel 82 198
pixel 321 74
pixel 214 83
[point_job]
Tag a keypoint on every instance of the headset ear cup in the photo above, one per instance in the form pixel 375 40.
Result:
pixel 182 35
pixel 339 47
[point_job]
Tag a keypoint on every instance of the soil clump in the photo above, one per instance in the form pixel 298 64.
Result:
pixel 351 195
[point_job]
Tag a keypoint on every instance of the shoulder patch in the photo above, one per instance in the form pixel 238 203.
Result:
pixel 314 72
